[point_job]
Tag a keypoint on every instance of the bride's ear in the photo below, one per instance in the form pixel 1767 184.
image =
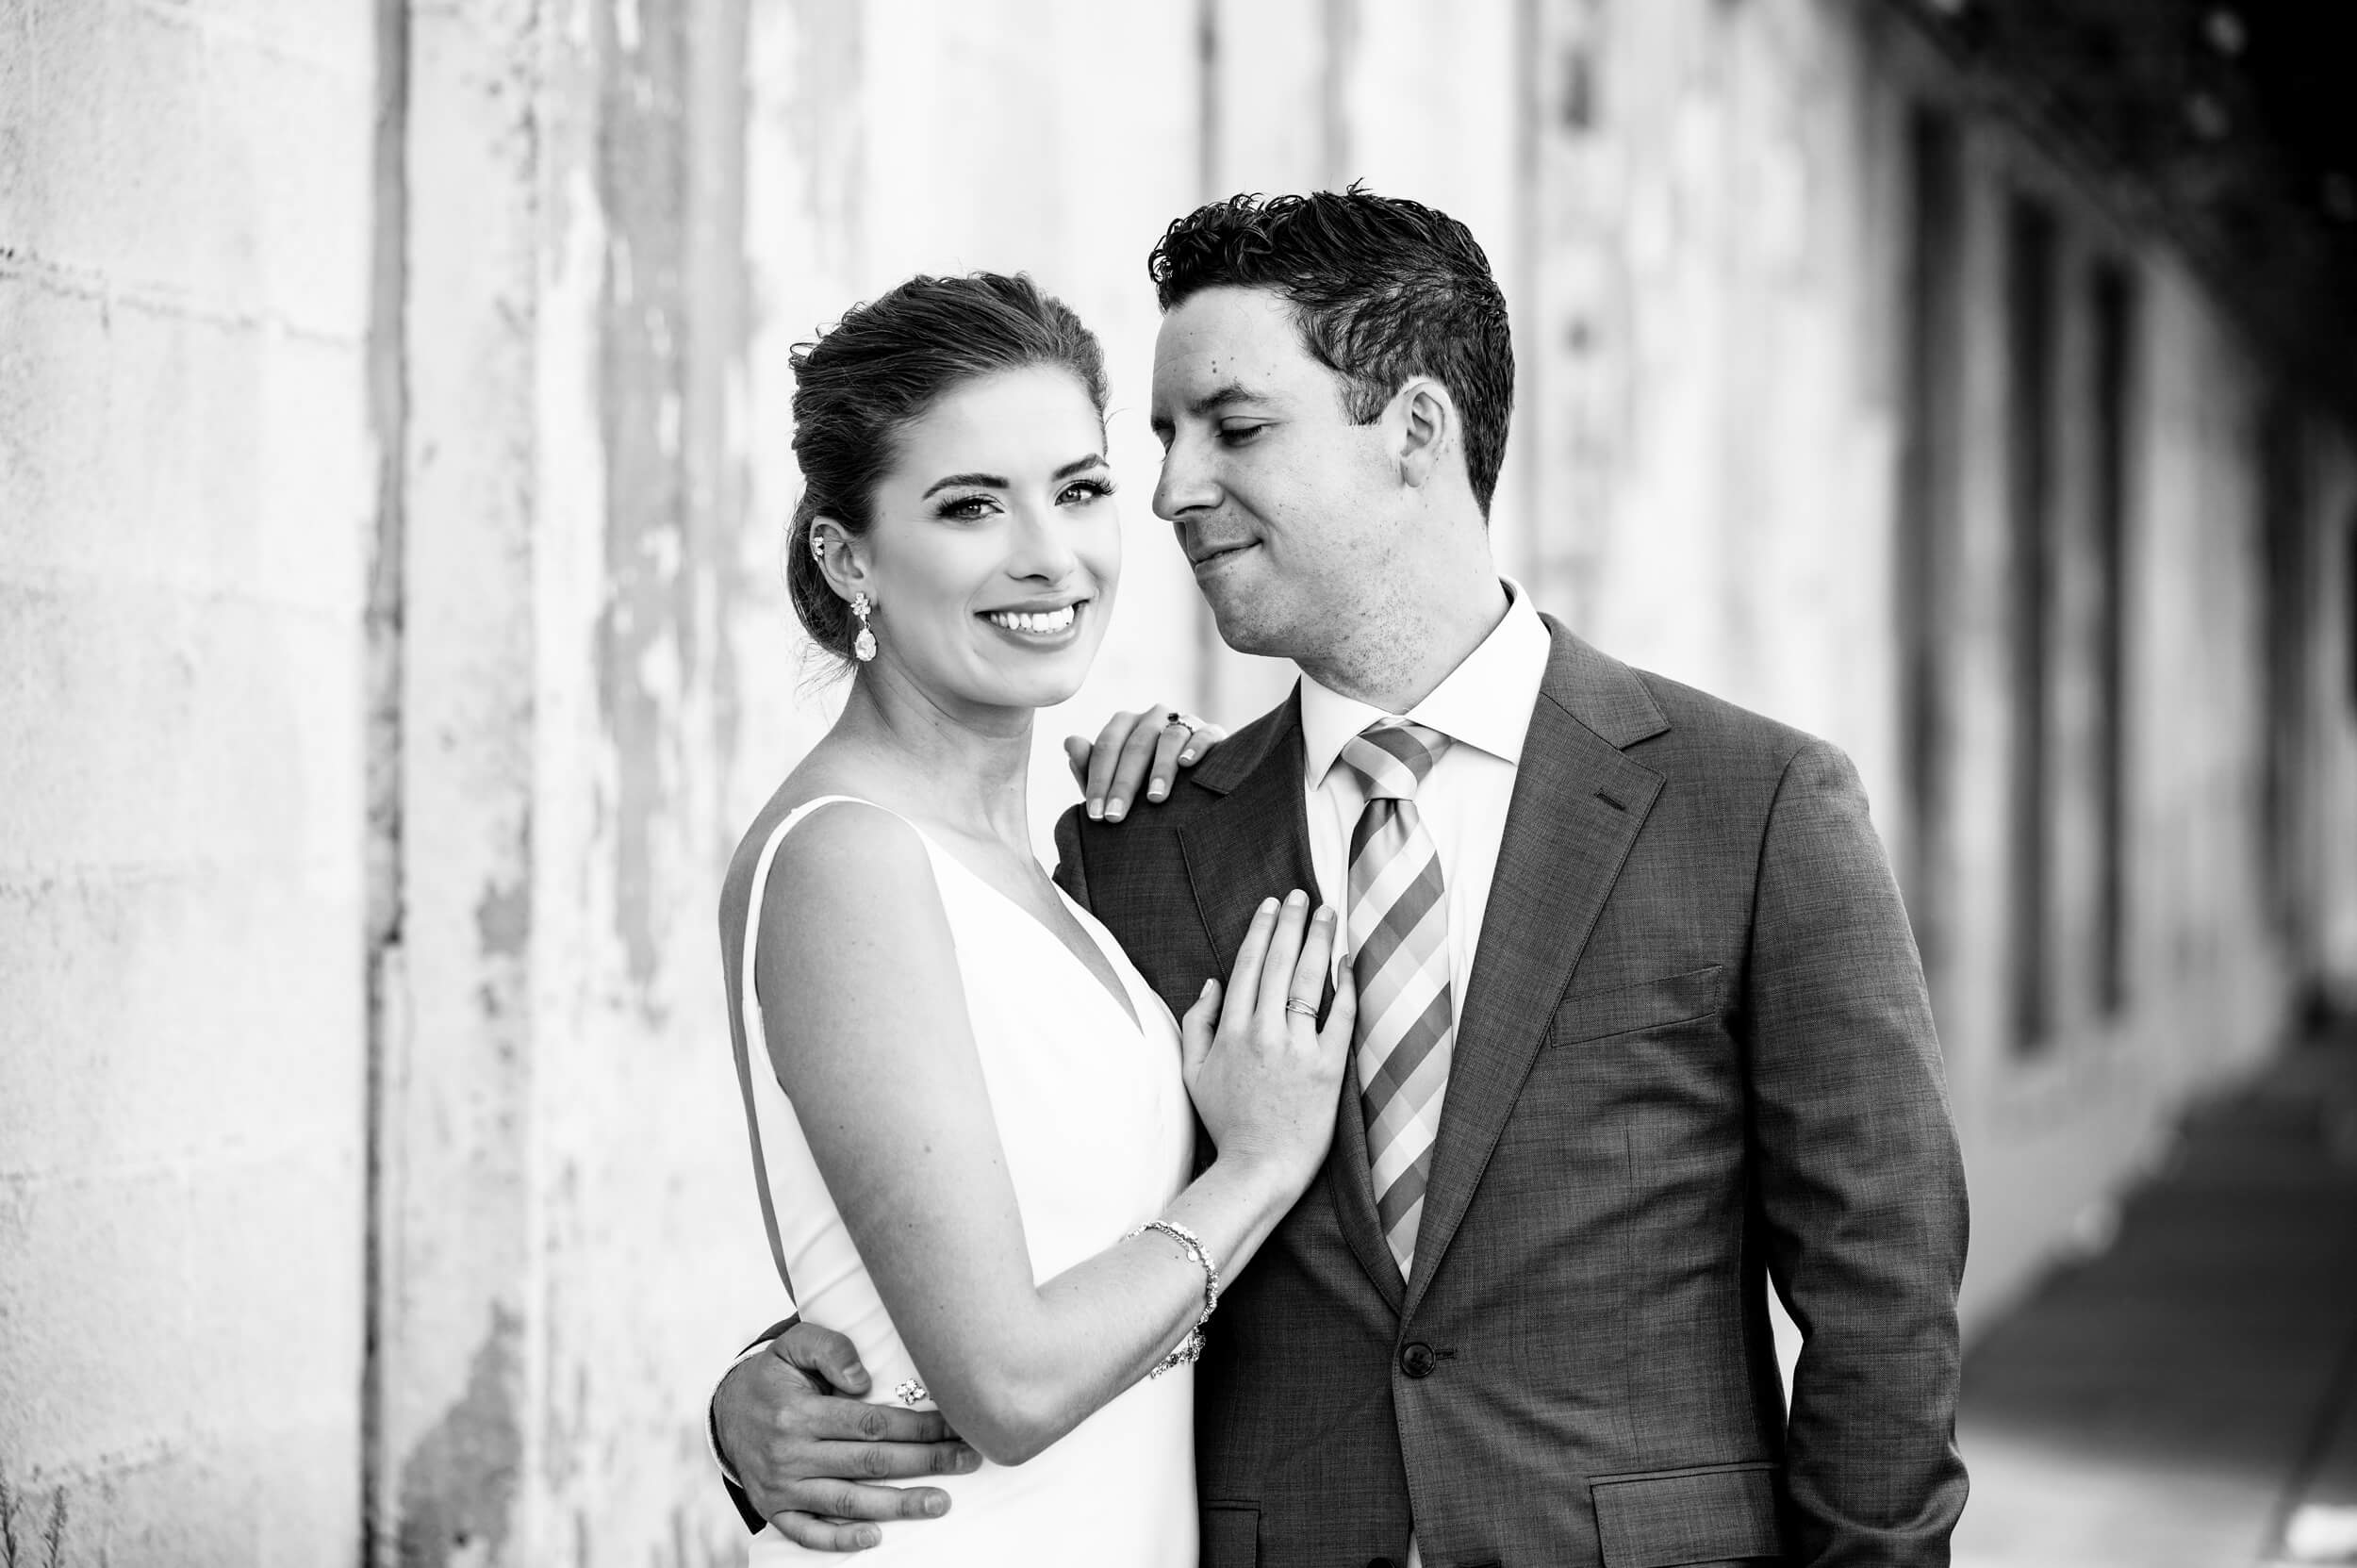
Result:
pixel 841 559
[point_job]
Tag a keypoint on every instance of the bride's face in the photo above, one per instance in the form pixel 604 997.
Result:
pixel 996 547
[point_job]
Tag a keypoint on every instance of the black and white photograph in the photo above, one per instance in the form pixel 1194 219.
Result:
pixel 1177 784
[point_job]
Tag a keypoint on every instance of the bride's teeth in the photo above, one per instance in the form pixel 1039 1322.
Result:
pixel 1038 624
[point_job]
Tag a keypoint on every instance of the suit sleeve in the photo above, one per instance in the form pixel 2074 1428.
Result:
pixel 1071 867
pixel 1860 1189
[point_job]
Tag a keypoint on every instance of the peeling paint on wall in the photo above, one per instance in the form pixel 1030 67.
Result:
pixel 502 920
pixel 458 1482
pixel 671 339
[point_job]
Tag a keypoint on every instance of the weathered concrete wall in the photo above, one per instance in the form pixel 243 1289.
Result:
pixel 1712 426
pixel 186 491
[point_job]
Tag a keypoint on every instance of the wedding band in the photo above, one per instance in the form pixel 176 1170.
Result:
pixel 1188 719
pixel 1306 1009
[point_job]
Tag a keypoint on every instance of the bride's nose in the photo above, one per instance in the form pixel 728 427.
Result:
pixel 1040 550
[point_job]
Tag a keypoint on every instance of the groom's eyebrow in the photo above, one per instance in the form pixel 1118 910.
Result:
pixel 1226 395
pixel 1000 482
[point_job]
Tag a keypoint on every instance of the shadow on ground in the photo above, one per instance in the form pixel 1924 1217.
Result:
pixel 2180 1397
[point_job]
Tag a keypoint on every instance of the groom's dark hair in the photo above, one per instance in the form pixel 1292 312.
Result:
pixel 1382 288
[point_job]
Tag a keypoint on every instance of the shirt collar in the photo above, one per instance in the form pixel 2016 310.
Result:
pixel 1484 702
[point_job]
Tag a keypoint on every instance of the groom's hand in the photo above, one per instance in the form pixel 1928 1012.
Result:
pixel 1137 754
pixel 807 1456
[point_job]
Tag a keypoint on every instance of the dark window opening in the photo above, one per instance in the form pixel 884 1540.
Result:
pixel 2030 375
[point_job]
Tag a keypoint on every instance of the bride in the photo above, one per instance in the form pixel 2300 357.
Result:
pixel 976 1142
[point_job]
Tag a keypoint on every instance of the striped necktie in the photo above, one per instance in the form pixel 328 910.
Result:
pixel 1399 933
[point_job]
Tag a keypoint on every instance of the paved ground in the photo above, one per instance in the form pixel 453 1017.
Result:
pixel 2188 1399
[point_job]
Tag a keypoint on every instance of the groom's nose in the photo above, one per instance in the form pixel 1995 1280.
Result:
pixel 1185 483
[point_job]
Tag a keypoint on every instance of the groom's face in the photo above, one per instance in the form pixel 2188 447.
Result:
pixel 1287 510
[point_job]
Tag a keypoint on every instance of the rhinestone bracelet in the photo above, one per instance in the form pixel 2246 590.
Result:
pixel 1190 1348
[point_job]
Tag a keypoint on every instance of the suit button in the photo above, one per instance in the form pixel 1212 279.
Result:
pixel 1417 1359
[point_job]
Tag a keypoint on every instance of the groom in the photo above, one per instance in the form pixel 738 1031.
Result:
pixel 1642 1030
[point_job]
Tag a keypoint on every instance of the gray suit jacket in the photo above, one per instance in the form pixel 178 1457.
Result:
pixel 1696 1055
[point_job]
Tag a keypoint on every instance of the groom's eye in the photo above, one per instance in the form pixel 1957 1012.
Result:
pixel 1236 434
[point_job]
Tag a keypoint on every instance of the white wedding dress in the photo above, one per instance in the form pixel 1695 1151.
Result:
pixel 1098 1137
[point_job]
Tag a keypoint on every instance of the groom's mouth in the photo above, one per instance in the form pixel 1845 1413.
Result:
pixel 1212 559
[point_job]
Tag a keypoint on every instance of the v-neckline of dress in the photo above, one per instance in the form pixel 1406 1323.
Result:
pixel 1121 999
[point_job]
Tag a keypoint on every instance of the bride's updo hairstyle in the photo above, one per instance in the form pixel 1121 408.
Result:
pixel 879 370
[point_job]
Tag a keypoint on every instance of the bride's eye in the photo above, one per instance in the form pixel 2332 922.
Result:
pixel 967 508
pixel 1081 491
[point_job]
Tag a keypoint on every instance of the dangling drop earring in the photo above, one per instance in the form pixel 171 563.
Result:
pixel 863 645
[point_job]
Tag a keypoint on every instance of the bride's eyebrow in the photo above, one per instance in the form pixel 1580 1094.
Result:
pixel 980 481
pixel 1000 482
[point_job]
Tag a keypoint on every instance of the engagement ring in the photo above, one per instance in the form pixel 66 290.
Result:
pixel 912 1392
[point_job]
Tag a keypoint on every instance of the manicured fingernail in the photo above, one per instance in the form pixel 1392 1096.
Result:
pixel 1186 757
pixel 1115 807
pixel 1296 899
pixel 1154 791
pixel 1267 905
pixel 1096 807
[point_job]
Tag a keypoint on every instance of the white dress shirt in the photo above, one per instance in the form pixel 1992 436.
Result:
pixel 1483 706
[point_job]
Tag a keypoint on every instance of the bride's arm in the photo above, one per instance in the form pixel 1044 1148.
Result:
pixel 867 1030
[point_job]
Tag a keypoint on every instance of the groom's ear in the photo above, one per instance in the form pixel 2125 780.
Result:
pixel 1426 428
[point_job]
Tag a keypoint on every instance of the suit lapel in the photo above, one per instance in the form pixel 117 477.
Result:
pixel 1255 843
pixel 1579 805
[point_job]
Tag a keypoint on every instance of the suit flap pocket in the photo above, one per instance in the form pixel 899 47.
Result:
pixel 1230 1535
pixel 1644 1004
pixel 1676 1517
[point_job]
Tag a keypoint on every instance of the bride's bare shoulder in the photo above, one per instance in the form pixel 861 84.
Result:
pixel 849 861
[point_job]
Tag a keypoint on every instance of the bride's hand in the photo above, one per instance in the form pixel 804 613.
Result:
pixel 1137 756
pixel 1264 1077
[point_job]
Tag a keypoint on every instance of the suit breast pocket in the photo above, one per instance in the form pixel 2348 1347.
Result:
pixel 1647 1004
